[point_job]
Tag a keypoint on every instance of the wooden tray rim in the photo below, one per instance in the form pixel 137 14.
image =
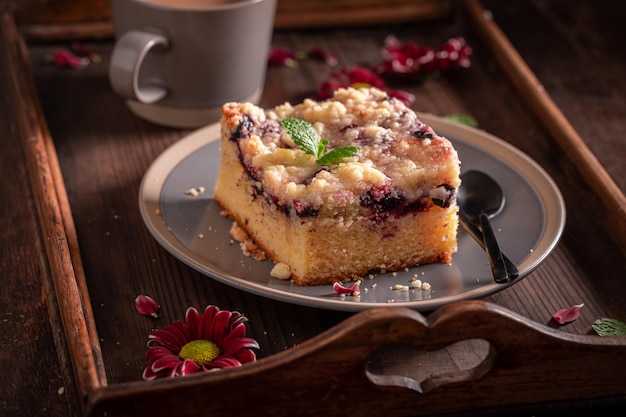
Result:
pixel 64 254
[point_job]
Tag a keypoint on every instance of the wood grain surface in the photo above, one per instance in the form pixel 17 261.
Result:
pixel 101 152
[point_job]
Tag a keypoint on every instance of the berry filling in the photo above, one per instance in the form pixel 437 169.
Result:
pixel 385 201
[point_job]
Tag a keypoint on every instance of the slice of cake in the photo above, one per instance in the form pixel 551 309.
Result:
pixel 389 206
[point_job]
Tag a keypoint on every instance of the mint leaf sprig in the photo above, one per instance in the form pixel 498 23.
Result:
pixel 609 327
pixel 308 140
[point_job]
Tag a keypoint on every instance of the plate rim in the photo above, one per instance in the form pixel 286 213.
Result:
pixel 548 192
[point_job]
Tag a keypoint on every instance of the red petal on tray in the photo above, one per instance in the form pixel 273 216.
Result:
pixel 65 58
pixel 279 56
pixel 147 306
pixel 353 289
pixel 566 315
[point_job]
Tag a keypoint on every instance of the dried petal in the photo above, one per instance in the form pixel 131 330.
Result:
pixel 282 56
pixel 65 58
pixel 353 289
pixel 319 53
pixel 82 50
pixel 147 306
pixel 567 315
pixel 411 59
pixel 358 77
pixel 404 96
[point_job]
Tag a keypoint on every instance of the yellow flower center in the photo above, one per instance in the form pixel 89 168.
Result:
pixel 200 351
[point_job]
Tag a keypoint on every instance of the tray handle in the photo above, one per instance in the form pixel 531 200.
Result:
pixel 330 374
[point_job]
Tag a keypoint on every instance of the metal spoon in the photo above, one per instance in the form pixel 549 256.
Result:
pixel 480 198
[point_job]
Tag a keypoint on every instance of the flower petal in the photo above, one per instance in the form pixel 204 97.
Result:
pixel 146 306
pixel 567 315
pixel 220 326
pixel 66 58
pixel 235 345
pixel 226 329
pixel 205 331
pixel 192 322
pixel 232 337
pixel 165 362
pixel 351 289
pixel 157 352
pixel 409 58
pixel 223 362
pixel 173 371
pixel 357 77
pixel 237 319
pixel 83 51
pixel 182 331
pixel 167 337
pixel 404 96
pixel 188 367
pixel 319 53
pixel 282 56
pixel 149 375
pixel 245 356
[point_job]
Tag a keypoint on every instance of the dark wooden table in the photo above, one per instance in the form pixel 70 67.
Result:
pixel 575 49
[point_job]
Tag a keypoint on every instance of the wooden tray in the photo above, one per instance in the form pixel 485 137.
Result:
pixel 520 360
pixel 58 19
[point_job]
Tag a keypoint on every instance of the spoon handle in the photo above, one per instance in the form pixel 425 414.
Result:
pixel 477 234
pixel 494 254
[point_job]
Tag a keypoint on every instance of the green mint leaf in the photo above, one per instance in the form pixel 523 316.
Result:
pixel 609 327
pixel 304 135
pixel 337 155
pixel 309 141
pixel 321 148
pixel 464 119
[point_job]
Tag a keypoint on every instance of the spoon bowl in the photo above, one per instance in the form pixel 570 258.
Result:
pixel 479 193
pixel 480 198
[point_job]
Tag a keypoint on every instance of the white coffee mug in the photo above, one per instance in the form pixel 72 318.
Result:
pixel 176 62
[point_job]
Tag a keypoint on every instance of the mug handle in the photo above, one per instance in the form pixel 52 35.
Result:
pixel 128 55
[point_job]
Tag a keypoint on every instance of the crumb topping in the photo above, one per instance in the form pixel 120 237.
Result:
pixel 398 154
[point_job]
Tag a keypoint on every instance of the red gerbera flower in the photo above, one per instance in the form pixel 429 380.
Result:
pixel 214 340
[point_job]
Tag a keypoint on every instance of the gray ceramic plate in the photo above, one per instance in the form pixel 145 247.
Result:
pixel 192 229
